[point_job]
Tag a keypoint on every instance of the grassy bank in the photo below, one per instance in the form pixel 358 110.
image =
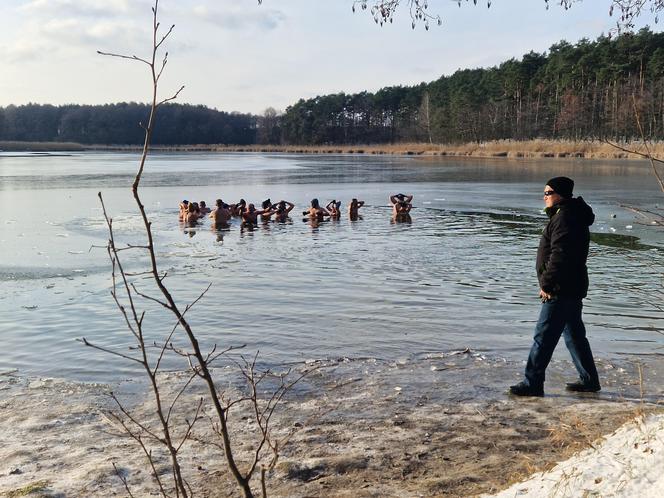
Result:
pixel 499 148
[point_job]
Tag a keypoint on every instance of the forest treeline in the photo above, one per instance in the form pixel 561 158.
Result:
pixel 584 90
pixel 121 124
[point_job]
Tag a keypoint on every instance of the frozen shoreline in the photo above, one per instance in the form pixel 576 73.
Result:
pixel 361 430
pixel 627 463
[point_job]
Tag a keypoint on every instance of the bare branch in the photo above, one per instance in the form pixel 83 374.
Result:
pixel 163 38
pixel 109 351
pixel 120 56
pixel 129 416
pixel 190 425
pixel 180 392
pixel 123 479
pixel 129 246
pixel 150 298
pixel 175 96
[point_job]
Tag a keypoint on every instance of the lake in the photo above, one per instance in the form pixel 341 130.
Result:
pixel 461 275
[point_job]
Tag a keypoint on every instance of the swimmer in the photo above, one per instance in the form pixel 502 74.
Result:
pixel 400 202
pixel 192 215
pixel 401 206
pixel 221 215
pixel 239 208
pixel 197 209
pixel 184 206
pixel 315 212
pixel 354 209
pixel 282 210
pixel 250 216
pixel 333 207
pixel 268 210
pixel 204 209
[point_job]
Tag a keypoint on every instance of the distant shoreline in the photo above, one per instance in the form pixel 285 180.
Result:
pixel 513 149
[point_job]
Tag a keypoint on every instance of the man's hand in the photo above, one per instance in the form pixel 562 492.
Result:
pixel 544 296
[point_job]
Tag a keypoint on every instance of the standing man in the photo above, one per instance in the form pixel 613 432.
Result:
pixel 563 280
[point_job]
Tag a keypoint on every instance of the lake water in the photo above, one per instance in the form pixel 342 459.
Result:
pixel 461 275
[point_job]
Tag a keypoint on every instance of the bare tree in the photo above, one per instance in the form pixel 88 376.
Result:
pixel 425 115
pixel 128 297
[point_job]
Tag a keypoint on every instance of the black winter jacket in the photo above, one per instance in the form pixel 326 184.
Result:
pixel 563 249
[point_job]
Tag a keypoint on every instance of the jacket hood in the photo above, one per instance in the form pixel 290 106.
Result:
pixel 577 208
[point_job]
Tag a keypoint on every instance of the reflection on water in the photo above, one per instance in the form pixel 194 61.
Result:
pixel 459 274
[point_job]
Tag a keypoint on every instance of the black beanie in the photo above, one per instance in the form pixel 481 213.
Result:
pixel 562 185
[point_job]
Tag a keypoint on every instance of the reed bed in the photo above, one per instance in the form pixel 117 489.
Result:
pixel 514 149
pixel 498 148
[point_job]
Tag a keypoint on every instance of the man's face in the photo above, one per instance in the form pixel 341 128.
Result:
pixel 550 197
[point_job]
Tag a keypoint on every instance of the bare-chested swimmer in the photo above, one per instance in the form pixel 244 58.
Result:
pixel 282 210
pixel 250 216
pixel 268 210
pixel 192 214
pixel 354 209
pixel 333 208
pixel 315 212
pixel 221 214
pixel 184 207
pixel 401 206
pixel 239 208
pixel 203 207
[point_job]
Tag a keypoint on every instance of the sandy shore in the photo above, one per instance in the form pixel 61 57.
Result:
pixel 353 429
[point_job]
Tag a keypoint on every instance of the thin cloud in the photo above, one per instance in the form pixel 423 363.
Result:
pixel 82 8
pixel 234 19
pixel 77 33
pixel 26 50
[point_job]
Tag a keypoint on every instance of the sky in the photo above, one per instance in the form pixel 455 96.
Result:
pixel 236 55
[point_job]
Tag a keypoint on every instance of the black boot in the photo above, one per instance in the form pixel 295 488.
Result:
pixel 583 387
pixel 523 389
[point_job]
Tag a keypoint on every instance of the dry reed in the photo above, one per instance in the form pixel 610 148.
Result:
pixel 538 148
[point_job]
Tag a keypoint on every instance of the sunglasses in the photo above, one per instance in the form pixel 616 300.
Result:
pixel 547 193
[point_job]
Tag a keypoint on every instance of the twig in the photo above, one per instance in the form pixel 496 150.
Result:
pixel 109 351
pixel 123 479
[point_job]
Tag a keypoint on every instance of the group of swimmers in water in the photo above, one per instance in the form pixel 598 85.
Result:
pixel 221 215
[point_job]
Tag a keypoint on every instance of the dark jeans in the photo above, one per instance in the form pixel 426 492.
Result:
pixel 560 315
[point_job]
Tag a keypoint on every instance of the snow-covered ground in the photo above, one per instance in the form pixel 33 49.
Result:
pixel 627 463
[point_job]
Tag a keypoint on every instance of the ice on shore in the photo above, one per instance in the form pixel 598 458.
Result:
pixel 627 463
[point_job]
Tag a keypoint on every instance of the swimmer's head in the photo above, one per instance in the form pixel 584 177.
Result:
pixel 314 203
pixel 219 203
pixel 252 208
pixel 202 203
pixel 242 202
pixel 266 203
pixel 185 202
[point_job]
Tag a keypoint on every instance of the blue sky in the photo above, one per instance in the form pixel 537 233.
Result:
pixel 235 55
